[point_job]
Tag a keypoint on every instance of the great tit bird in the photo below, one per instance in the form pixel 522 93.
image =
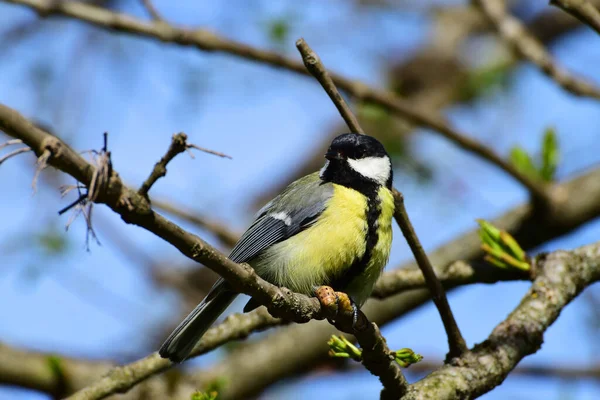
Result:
pixel 331 228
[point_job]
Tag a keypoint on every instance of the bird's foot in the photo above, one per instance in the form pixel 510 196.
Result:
pixel 336 304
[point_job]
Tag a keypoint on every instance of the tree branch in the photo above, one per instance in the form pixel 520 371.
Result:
pixel 561 277
pixel 121 379
pixel 582 10
pixel 208 41
pixel 457 273
pixel 48 373
pixel 134 208
pixel 514 33
pixel 315 67
pixel 178 145
pixel 60 376
pixel 456 342
pixel 377 358
pixel 247 377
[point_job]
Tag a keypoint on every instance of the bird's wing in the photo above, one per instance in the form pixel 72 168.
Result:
pixel 304 200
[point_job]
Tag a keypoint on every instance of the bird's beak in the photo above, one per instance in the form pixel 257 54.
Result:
pixel 333 155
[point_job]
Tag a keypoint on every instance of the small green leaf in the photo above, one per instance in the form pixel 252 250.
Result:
pixel 502 250
pixel 512 244
pixel 341 347
pixel 550 155
pixel 406 357
pixel 523 162
pixel 495 262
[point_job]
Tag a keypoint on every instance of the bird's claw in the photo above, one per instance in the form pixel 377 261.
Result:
pixel 336 303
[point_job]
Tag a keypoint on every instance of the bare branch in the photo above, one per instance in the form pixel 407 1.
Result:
pixel 582 10
pixel 317 69
pixel 561 277
pixel 454 274
pixel 60 376
pixel 208 41
pixel 456 342
pixel 248 377
pixel 47 372
pixel 134 208
pixel 178 145
pixel 514 33
pixel 121 379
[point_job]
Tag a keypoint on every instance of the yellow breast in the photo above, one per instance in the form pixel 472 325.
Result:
pixel 316 255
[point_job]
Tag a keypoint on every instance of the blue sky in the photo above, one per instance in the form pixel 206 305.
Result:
pixel 100 304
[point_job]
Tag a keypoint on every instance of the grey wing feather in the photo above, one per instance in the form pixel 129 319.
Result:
pixel 295 209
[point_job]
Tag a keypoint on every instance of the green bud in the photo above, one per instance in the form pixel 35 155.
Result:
pixel 406 357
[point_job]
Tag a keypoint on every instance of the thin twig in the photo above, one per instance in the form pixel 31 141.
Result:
pixel 209 151
pixel 317 69
pixel 178 145
pixel 152 10
pixel 514 33
pixel 10 143
pixel 40 165
pixel 582 10
pixel 208 41
pixel 456 342
pixel 14 153
pixel 376 354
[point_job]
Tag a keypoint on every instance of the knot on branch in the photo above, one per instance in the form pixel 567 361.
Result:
pixel 51 144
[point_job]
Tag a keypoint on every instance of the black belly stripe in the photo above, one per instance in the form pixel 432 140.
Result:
pixel 371 239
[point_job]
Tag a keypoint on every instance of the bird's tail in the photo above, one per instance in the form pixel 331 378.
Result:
pixel 181 342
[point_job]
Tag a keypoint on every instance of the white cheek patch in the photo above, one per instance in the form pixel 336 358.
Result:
pixel 324 169
pixel 282 216
pixel 375 168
